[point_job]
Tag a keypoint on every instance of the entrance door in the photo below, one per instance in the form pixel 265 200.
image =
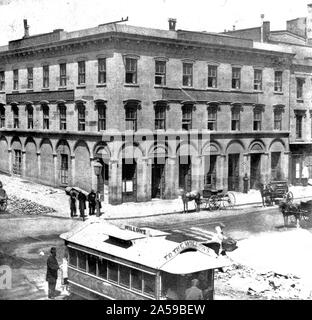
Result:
pixel 255 170
pixel 276 166
pixel 296 169
pixel 233 178
pixel 129 181
pixel 158 180
pixel 103 179
pixel 211 171
pixel 185 173
pixel 17 165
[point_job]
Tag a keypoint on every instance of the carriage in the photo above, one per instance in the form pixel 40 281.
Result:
pixel 217 199
pixel 296 211
pixel 275 192
pixel 3 200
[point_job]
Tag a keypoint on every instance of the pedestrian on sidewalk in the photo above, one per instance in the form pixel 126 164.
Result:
pixel 51 277
pixel 98 204
pixel 82 204
pixel 73 208
pixel 92 202
pixel 64 274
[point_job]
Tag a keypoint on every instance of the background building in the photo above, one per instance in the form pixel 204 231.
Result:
pixel 159 109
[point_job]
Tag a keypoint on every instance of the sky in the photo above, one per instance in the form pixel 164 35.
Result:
pixel 197 15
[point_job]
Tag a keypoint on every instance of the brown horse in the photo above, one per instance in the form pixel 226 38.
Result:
pixel 190 196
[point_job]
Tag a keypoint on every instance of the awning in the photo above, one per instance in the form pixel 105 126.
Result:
pixel 194 261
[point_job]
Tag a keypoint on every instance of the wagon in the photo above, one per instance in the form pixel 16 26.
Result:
pixel 276 191
pixel 296 211
pixel 217 199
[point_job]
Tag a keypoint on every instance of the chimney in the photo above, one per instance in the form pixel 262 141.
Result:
pixel 233 27
pixel 172 24
pixel 309 22
pixel 26 29
pixel 266 31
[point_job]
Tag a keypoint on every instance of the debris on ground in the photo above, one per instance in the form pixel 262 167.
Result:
pixel 26 207
pixel 270 285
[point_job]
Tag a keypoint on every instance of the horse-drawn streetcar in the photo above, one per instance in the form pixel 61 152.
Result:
pixel 110 262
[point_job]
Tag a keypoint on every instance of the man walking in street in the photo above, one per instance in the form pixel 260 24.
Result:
pixel 92 202
pixel 82 204
pixel 52 268
pixel 72 199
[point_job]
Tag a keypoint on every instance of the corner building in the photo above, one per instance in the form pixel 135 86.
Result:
pixel 159 109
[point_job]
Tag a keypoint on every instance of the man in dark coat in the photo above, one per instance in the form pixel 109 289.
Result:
pixel 52 267
pixel 72 199
pixel 92 202
pixel 82 204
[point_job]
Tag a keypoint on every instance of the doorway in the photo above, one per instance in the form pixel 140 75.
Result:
pixel 276 173
pixel 233 178
pixel 103 179
pixel 185 173
pixel 211 171
pixel 158 179
pixel 255 170
pixel 17 164
pixel 129 180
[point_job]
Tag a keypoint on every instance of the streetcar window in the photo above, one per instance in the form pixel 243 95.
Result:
pixel 102 265
pixel 82 261
pixel 112 271
pixel 136 280
pixel 149 284
pixel 124 276
pixel 92 264
pixel 72 257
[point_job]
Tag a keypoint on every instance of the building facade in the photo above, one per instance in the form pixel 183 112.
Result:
pixel 159 109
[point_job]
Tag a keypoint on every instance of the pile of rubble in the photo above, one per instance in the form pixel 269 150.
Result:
pixel 270 285
pixel 26 207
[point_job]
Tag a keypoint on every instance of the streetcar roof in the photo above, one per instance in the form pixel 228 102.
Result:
pixel 151 249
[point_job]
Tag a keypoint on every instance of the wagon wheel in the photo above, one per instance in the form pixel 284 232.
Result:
pixel 214 203
pixel 228 201
pixel 288 197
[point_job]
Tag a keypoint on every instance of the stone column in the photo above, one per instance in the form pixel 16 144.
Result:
pixel 115 185
pixel 73 169
pixel 196 172
pixel 285 165
pixel 246 168
pixel 93 176
pixel 39 165
pixel 10 161
pixel 220 172
pixel 265 167
pixel 55 169
pixel 147 173
pixel 23 163
pixel 225 171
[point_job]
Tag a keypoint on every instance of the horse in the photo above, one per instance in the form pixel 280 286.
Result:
pixel 298 211
pixel 190 196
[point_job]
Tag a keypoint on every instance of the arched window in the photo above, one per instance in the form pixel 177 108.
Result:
pixel 30 116
pixel 15 116
pixel 45 114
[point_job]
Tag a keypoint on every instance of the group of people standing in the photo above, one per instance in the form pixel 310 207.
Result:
pixel 92 198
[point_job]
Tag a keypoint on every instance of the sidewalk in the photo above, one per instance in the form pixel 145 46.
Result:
pixel 59 201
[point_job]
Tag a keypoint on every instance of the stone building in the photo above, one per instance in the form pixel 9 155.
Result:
pixel 296 37
pixel 159 109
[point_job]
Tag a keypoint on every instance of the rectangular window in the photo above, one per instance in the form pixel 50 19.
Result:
pixel 45 112
pixel 45 76
pixel 278 81
pixel 81 118
pixel 112 268
pixel 101 117
pixel 72 257
pixel 299 126
pixel 187 117
pixel 2 116
pixel 15 79
pixel 131 118
pixel 131 70
pixel 136 280
pixel 81 72
pixel 102 70
pixel 82 261
pixel 187 80
pixel 64 169
pixel 235 120
pixel 62 110
pixel 160 73
pixel 212 119
pixel 300 83
pixel 257 120
pixel 30 117
pixel 102 267
pixel 2 80
pixel 30 78
pixel 15 117
pixel 149 284
pixel 277 120
pixel 63 77
pixel 124 276
pixel 258 80
pixel 236 78
pixel 92 264
pixel 212 76
pixel 160 117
